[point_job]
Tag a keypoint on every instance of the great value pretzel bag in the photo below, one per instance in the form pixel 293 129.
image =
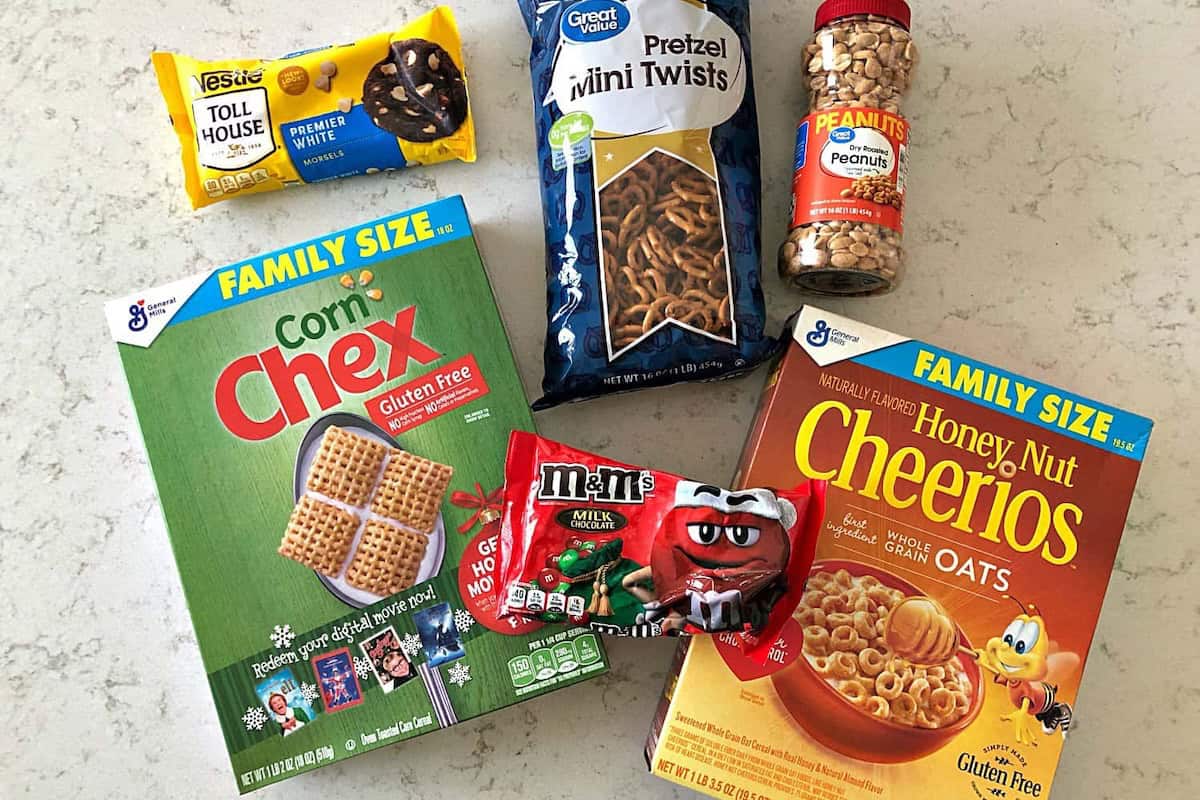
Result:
pixel 639 552
pixel 648 150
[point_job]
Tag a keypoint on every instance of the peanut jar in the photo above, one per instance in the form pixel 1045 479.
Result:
pixel 851 158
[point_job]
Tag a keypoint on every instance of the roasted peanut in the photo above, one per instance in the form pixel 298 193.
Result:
pixel 877 71
pixel 858 246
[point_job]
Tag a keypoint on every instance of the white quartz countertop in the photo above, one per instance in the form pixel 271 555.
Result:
pixel 1053 226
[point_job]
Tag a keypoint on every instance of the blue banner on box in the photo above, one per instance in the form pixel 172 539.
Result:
pixel 338 144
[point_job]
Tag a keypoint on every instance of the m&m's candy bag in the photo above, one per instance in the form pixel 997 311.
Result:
pixel 638 552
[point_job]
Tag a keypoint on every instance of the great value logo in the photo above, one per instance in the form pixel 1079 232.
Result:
pixel 841 135
pixel 594 20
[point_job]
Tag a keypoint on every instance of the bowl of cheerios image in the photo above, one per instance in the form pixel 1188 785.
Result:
pixel 851 692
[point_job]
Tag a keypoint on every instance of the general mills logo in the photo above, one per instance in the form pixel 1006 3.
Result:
pixel 137 316
pixel 819 335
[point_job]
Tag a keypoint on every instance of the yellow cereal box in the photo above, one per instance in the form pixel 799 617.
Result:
pixel 386 102
pixel 972 520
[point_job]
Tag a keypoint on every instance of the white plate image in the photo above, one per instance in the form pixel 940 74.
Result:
pixel 434 552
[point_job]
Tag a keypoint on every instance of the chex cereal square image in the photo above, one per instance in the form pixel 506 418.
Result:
pixel 319 535
pixel 346 467
pixel 412 490
pixel 387 558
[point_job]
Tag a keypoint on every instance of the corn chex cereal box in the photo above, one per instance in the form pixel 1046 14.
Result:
pixel 327 426
pixel 972 519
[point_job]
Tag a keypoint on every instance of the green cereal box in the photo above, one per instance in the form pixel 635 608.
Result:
pixel 327 428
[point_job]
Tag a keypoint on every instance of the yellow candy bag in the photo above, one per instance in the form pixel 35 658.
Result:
pixel 388 101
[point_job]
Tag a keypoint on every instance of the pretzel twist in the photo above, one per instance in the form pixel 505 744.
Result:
pixel 663 254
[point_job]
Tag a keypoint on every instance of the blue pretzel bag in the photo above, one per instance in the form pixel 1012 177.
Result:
pixel 648 152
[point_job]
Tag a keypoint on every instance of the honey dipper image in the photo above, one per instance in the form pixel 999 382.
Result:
pixel 921 630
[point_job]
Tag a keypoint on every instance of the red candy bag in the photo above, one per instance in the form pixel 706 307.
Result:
pixel 637 552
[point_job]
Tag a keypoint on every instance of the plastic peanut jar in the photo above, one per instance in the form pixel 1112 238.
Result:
pixel 851 151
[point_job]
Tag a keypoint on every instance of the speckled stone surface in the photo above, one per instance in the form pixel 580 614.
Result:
pixel 1053 227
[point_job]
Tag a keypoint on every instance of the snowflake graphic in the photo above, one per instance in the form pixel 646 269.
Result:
pixel 254 718
pixel 459 674
pixel 410 644
pixel 362 667
pixel 310 692
pixel 282 636
pixel 463 619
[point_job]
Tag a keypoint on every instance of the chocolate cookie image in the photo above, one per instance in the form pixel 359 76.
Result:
pixel 417 93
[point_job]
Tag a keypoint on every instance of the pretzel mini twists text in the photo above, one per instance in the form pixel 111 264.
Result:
pixel 648 149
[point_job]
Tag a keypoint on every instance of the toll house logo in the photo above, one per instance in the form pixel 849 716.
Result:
pixel 604 484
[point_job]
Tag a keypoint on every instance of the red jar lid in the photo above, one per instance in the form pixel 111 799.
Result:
pixel 895 10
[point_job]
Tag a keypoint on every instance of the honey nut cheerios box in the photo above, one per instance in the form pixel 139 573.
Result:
pixel 327 426
pixel 973 516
